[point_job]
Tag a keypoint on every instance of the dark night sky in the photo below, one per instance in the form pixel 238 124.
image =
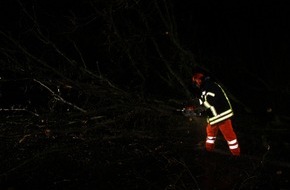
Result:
pixel 256 34
pixel 250 33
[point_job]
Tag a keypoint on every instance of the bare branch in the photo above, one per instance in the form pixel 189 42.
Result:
pixel 18 110
pixel 59 98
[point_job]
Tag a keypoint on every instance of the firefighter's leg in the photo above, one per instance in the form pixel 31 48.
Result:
pixel 230 136
pixel 211 132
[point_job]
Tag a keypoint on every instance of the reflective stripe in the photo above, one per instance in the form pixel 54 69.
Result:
pixel 212 109
pixel 225 95
pixel 206 104
pixel 216 117
pixel 200 101
pixel 221 119
pixel 223 116
pixel 220 115
pixel 210 139
pixel 234 146
pixel 232 142
pixel 210 94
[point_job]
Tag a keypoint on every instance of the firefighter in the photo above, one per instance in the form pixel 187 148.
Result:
pixel 218 110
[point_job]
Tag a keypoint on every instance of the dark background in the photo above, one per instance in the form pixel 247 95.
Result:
pixel 89 93
pixel 243 45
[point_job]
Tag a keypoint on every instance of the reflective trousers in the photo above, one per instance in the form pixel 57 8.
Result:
pixel 227 131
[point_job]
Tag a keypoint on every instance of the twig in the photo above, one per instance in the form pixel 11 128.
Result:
pixel 19 109
pixel 80 54
pixel 59 98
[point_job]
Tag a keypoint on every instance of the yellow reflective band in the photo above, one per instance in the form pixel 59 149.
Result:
pixel 212 109
pixel 206 104
pixel 210 94
pixel 221 117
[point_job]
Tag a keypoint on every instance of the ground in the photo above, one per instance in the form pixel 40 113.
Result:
pixel 80 154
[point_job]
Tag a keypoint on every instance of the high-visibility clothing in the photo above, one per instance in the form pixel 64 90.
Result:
pixel 219 113
pixel 228 133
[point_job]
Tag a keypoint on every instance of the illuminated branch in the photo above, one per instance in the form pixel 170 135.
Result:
pixel 59 98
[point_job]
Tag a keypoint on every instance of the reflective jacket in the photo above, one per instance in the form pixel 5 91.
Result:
pixel 215 100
